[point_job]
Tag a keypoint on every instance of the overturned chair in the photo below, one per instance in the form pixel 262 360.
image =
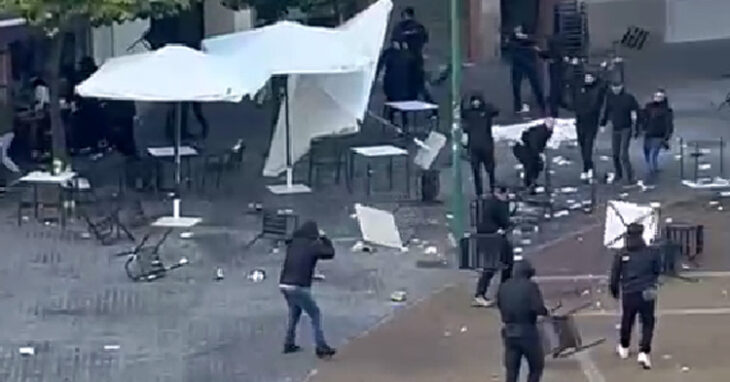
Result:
pixel 560 336
pixel 481 251
pixel 143 262
pixel 276 225
pixel 107 229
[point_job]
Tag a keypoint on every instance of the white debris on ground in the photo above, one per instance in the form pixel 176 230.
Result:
pixel 219 274
pixel 256 275
pixel 463 329
pixel 431 250
pixel 111 347
pixel 186 235
pixel 398 296
pixel 27 350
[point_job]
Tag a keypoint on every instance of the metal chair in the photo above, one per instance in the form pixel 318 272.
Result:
pixel 326 152
pixel 107 229
pixel 214 165
pixel 482 251
pixel 276 225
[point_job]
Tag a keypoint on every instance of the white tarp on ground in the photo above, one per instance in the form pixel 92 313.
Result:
pixel 173 73
pixel 620 214
pixel 563 131
pixel 331 103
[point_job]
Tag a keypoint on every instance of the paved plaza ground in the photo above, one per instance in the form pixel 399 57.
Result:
pixel 68 298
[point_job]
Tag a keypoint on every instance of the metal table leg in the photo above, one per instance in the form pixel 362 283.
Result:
pixel 390 173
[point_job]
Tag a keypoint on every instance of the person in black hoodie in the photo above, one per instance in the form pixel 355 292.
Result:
pixel 622 110
pixel 657 122
pixel 523 53
pixel 397 61
pixel 477 118
pixel 493 219
pixel 634 274
pixel 520 302
pixel 415 35
pixel 529 150
pixel 587 102
pixel 306 247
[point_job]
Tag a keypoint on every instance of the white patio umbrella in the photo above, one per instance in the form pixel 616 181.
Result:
pixel 172 74
pixel 292 49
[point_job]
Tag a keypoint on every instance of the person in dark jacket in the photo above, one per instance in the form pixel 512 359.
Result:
pixel 520 303
pixel 588 102
pixel 634 274
pixel 493 219
pixel 477 118
pixel 622 111
pixel 555 58
pixel 415 35
pixel 397 61
pixel 523 54
pixel 657 123
pixel 306 247
pixel 528 151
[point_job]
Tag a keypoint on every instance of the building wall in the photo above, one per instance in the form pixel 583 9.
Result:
pixel 115 40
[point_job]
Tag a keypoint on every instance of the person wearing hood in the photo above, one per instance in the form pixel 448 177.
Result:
pixel 398 79
pixel 523 53
pixel 588 102
pixel 658 125
pixel 477 117
pixel 634 276
pixel 528 152
pixel 622 110
pixel 520 302
pixel 307 246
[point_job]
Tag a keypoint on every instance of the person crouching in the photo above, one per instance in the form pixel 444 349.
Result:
pixel 528 152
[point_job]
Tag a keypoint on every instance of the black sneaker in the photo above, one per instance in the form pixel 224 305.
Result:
pixel 291 349
pixel 325 352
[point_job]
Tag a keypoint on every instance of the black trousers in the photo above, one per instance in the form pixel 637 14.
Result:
pixel 587 129
pixel 531 163
pixel 528 347
pixel 519 72
pixel 633 304
pixel 482 158
pixel 506 258
pixel 620 142
pixel 556 90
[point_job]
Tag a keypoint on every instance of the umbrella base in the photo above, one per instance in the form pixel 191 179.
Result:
pixel 283 189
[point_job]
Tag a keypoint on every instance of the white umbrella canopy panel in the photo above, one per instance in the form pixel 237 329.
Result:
pixel 171 74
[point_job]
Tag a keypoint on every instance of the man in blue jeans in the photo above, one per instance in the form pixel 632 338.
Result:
pixel 658 126
pixel 306 247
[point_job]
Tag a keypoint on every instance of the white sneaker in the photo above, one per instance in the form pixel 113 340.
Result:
pixel 525 108
pixel 482 302
pixel 622 352
pixel 583 176
pixel 589 175
pixel 644 361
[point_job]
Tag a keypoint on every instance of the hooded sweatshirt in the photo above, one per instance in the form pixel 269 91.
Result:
pixel 302 253
pixel 658 120
pixel 637 267
pixel 520 302
pixel 478 125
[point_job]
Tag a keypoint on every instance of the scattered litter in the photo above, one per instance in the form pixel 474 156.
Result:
pixel 275 250
pixel 714 203
pixel 561 213
pixel 111 347
pixel 586 292
pixel 570 201
pixel 415 240
pixel 404 249
pixel 463 329
pixel 183 261
pixel 723 194
pixel 705 151
pixel 25 218
pixel 677 157
pixel 447 334
pixel 624 195
pixel 398 296
pixel 720 208
pixel 431 250
pixel 668 220
pixel 604 158
pixel 519 167
pixel 655 204
pixel 313 372
pixel 724 293
pixel 219 274
pixel 359 245
pixel 85 235
pixel 539 190
pixel 318 277
pixel 575 206
pixel 666 357
pixel 568 190
pixel 560 161
pixel 449 216
pixel 525 241
pixel 685 267
pixel 518 258
pixel 618 326
pixel 685 369
pixel 598 305
pixel 704 166
pixel 28 350
pixel 256 275
pixel 610 177
pixel 536 229
pixel 186 235
pixel 517 250
pixel 580 239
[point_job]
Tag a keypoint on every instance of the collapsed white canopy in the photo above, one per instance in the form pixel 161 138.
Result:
pixel 171 74
pixel 331 103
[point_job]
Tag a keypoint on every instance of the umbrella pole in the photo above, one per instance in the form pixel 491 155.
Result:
pixel 289 171
pixel 176 148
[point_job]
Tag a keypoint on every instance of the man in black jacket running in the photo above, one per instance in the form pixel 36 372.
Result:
pixel 635 272
pixel 520 303
pixel 306 247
